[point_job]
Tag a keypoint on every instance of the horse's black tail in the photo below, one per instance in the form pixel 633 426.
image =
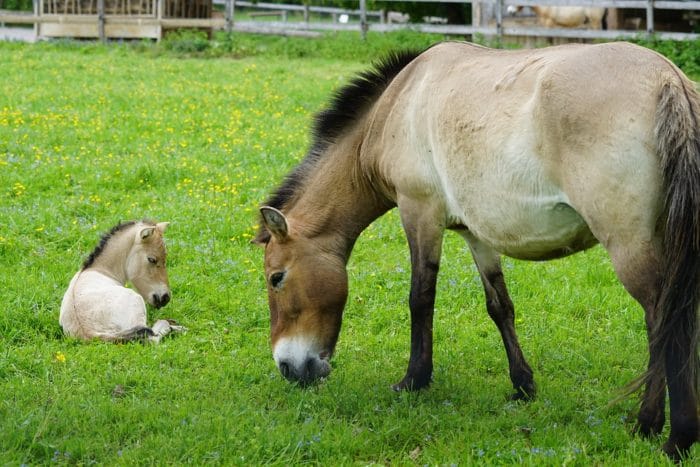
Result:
pixel 675 334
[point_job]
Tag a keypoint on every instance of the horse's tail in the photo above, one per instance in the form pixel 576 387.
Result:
pixel 675 334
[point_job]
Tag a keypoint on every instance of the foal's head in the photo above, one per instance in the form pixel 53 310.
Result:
pixel 145 264
pixel 136 249
pixel 307 287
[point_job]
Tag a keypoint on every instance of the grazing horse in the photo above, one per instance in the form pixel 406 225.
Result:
pixel 534 154
pixel 98 305
pixel 566 16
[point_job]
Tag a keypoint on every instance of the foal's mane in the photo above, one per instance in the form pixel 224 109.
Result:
pixel 346 106
pixel 106 237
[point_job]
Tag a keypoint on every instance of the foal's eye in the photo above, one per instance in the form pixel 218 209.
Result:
pixel 276 278
pixel 152 260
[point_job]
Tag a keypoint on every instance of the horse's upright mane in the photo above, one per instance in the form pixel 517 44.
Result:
pixel 346 106
pixel 105 238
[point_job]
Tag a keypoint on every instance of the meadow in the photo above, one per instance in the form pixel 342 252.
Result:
pixel 92 135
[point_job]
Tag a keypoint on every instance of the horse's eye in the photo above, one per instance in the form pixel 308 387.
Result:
pixel 276 279
pixel 152 260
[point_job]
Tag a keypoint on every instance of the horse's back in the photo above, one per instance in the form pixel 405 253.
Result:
pixel 95 306
pixel 521 147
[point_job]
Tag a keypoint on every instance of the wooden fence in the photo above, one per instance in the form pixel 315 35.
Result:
pixel 151 20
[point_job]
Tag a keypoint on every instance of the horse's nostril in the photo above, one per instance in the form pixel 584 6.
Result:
pixel 284 369
pixel 165 299
pixel 309 369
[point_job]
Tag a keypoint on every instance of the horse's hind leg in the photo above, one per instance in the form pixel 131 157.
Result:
pixel 638 270
pixel 501 311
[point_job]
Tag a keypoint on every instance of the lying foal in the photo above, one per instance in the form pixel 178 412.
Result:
pixel 98 305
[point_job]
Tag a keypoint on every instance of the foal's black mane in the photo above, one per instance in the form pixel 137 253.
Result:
pixel 105 238
pixel 346 106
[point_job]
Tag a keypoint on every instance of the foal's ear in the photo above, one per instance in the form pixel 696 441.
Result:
pixel 162 226
pixel 275 222
pixel 146 232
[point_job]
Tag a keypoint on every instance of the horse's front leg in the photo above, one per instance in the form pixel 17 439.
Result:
pixel 424 231
pixel 501 311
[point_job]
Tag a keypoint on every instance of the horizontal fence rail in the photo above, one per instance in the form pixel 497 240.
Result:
pixel 151 19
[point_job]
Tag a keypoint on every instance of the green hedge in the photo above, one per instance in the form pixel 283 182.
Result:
pixel 16 5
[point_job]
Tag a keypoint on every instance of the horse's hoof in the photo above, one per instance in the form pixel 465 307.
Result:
pixel 648 429
pixel 524 394
pixel 673 452
pixel 178 328
pixel 411 384
pixel 678 447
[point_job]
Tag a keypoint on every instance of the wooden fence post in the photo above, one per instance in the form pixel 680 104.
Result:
pixel 230 5
pixel 160 4
pixel 650 17
pixel 363 19
pixel 37 12
pixel 101 20
pixel 499 19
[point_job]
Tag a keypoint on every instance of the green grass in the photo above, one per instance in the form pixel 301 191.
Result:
pixel 92 135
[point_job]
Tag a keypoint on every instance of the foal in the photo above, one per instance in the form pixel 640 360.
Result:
pixel 98 305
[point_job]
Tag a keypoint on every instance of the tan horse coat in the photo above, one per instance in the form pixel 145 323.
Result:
pixel 535 154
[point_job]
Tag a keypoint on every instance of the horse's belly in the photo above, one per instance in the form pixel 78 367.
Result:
pixel 532 229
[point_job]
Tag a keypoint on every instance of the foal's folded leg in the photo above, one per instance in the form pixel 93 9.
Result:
pixel 163 327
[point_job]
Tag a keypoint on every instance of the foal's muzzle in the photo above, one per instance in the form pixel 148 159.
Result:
pixel 160 300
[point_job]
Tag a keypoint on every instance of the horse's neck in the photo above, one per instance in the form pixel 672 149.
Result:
pixel 338 200
pixel 112 261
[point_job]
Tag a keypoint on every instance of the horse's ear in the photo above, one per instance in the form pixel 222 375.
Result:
pixel 146 232
pixel 162 226
pixel 275 222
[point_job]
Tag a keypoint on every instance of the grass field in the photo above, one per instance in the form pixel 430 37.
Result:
pixel 92 135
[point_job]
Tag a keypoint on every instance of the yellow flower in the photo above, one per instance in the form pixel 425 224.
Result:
pixel 59 357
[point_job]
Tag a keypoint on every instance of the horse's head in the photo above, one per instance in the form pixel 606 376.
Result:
pixel 145 264
pixel 307 287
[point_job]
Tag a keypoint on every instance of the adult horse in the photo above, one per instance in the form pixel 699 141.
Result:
pixel 535 154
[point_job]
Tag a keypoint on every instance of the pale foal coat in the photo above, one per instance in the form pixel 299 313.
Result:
pixel 98 305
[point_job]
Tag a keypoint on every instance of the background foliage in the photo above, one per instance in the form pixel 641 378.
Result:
pixel 91 135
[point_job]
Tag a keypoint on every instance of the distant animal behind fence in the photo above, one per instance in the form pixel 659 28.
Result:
pixel 566 16
pixel 98 305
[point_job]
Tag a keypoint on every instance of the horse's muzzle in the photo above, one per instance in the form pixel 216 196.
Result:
pixel 310 371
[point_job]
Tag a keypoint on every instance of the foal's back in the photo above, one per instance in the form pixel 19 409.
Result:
pixel 97 306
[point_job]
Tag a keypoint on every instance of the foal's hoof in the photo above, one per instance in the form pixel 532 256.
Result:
pixel 174 327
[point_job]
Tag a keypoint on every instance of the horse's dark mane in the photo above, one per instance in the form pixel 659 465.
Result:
pixel 105 238
pixel 346 106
